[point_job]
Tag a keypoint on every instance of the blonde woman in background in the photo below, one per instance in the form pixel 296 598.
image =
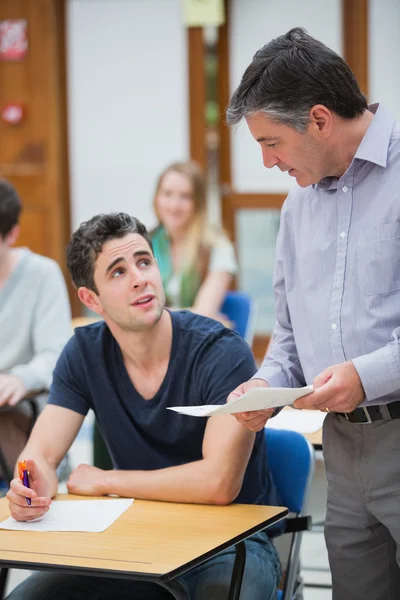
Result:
pixel 197 260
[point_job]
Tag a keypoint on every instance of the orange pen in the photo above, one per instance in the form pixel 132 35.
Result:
pixel 24 477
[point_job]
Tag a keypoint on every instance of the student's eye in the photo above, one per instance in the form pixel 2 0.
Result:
pixel 271 145
pixel 144 263
pixel 117 273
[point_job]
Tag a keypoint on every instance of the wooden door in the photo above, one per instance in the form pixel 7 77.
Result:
pixel 33 153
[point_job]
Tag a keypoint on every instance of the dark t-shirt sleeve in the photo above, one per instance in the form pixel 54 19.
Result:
pixel 225 362
pixel 68 388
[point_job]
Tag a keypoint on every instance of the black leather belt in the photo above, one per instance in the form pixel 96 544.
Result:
pixel 369 414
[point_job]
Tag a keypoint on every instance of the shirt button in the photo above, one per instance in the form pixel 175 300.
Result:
pixel 343 234
pixel 345 189
pixel 334 326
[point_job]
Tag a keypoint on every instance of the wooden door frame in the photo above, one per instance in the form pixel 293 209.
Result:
pixel 197 96
pixel 355 39
pixel 355 50
pixel 61 146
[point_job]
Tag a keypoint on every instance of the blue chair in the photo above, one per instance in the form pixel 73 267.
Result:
pixel 291 459
pixel 241 311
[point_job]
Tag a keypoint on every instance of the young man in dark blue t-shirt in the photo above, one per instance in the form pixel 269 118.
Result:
pixel 128 369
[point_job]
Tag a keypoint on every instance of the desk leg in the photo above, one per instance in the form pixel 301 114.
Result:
pixel 237 573
pixel 175 588
pixel 3 581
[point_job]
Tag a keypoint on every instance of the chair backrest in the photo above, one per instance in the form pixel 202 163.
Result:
pixel 241 311
pixel 291 460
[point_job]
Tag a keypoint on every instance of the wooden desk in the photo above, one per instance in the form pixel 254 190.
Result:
pixel 153 541
pixel 315 439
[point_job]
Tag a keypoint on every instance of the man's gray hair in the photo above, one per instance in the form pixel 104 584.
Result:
pixel 296 118
pixel 290 75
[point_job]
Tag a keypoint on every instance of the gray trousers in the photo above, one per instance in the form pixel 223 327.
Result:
pixel 362 529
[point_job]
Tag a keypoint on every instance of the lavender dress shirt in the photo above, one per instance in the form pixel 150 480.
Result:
pixel 337 272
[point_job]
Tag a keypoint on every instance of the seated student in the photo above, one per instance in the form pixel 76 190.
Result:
pixel 197 261
pixel 35 324
pixel 128 369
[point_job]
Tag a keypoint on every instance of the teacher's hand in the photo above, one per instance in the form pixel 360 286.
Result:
pixel 337 389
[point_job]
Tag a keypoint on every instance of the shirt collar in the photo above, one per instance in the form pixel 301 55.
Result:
pixel 374 146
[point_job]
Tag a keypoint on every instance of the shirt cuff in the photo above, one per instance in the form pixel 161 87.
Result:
pixel 28 377
pixel 379 372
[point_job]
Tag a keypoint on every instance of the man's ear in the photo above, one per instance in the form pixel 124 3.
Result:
pixel 12 235
pixel 90 299
pixel 321 120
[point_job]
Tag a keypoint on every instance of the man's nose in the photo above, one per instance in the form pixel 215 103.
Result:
pixel 269 158
pixel 138 279
pixel 174 202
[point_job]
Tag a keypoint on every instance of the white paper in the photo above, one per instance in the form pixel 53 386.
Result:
pixel 254 399
pixel 74 515
pixel 303 421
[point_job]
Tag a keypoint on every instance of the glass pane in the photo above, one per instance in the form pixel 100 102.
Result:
pixel 256 232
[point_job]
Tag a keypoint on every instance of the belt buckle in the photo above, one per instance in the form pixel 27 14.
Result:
pixel 366 413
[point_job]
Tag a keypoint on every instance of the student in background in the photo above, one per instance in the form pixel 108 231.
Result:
pixel 35 324
pixel 196 260
pixel 129 368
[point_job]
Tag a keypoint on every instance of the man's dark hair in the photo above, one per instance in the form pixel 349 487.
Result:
pixel 290 75
pixel 88 240
pixel 10 208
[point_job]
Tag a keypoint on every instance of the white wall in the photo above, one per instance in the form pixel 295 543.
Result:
pixel 384 54
pixel 254 23
pixel 127 102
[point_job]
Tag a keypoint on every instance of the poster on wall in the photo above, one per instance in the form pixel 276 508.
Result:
pixel 13 39
pixel 200 13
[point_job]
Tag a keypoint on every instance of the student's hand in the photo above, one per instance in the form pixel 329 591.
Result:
pixel 337 389
pixel 87 481
pixel 254 420
pixel 12 389
pixel 37 492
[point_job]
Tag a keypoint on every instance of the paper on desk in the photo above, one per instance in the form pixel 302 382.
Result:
pixel 74 515
pixel 254 399
pixel 303 421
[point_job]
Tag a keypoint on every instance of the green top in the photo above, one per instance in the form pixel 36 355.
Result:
pixel 190 280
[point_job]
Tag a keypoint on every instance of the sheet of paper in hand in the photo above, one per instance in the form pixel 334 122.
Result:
pixel 254 399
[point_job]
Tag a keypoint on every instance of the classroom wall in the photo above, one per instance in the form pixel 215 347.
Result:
pixel 384 53
pixel 127 102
